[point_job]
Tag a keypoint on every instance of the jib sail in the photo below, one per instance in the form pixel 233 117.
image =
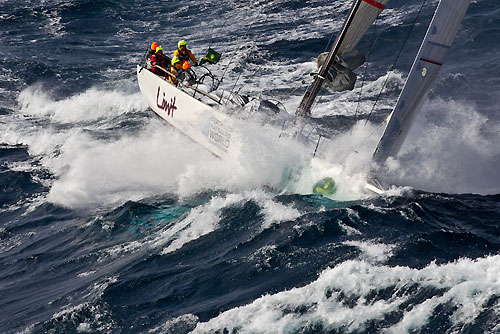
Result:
pixel 442 30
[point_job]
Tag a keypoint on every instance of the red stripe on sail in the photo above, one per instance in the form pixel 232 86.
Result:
pixel 431 61
pixel 375 4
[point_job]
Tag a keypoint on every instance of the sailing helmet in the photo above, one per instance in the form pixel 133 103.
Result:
pixel 175 60
pixel 181 43
pixel 159 48
pixel 154 45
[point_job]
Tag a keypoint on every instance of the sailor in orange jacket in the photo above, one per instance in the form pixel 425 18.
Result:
pixel 184 54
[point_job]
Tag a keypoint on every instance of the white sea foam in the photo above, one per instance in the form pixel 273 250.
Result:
pixel 93 171
pixel 176 325
pixel 200 221
pixel 372 251
pixel 346 158
pixel 84 328
pixel 467 285
pixel 451 148
pixel 86 274
pixel 346 103
pixel 276 212
pixel 90 105
pixel 90 171
pixel 54 26
pixel 89 315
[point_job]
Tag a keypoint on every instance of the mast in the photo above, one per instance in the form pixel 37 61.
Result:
pixel 308 99
pixel 363 13
pixel 428 62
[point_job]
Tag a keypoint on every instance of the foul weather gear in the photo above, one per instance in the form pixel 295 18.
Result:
pixel 185 56
pixel 152 51
pixel 177 72
pixel 175 60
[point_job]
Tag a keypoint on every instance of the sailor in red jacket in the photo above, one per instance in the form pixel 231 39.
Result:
pixel 158 60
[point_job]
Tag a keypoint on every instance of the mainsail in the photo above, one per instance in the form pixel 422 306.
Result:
pixel 337 66
pixel 442 30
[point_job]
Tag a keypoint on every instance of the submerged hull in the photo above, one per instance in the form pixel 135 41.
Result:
pixel 195 119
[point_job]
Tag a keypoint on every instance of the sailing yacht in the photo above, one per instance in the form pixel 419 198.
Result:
pixel 200 111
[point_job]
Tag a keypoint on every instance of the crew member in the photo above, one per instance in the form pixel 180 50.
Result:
pixel 176 70
pixel 158 60
pixel 152 51
pixel 184 54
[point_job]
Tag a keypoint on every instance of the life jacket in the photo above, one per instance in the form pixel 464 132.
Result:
pixel 185 56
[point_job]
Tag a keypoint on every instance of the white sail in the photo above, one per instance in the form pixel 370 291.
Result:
pixel 442 30
pixel 365 16
pixel 340 74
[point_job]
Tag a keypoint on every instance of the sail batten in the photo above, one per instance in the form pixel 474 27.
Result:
pixel 428 62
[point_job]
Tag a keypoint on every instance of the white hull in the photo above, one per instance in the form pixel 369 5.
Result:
pixel 198 121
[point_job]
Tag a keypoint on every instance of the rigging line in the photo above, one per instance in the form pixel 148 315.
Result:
pixel 234 54
pixel 326 48
pixel 329 41
pixel 231 60
pixel 395 61
pixel 372 44
pixel 255 71
pixel 317 102
pixel 250 77
pixel 369 135
pixel 241 72
pixel 293 91
pixel 311 83
pixel 246 81
pixel 331 37
pixel 317 144
pixel 244 36
pixel 313 128
pixel 231 93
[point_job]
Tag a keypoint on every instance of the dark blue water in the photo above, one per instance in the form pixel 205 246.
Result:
pixel 112 222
